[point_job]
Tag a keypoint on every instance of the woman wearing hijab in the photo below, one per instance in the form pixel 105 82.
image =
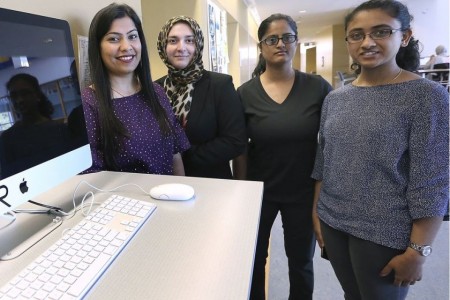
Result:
pixel 205 103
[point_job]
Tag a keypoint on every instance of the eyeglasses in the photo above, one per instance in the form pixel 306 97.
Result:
pixel 273 39
pixel 379 34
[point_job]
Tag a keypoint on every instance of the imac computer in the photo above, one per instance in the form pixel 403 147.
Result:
pixel 43 139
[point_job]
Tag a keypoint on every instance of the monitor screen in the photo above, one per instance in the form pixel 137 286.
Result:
pixel 43 139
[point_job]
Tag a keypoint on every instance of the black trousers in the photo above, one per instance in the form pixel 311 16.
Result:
pixel 299 244
pixel 357 264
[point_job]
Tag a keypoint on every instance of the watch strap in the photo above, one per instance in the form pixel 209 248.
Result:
pixel 420 248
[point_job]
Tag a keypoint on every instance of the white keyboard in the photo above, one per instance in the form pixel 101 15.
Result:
pixel 71 266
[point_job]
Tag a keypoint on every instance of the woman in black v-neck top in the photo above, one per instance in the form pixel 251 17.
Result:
pixel 282 108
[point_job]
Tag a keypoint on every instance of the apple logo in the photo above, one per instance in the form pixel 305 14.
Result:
pixel 23 186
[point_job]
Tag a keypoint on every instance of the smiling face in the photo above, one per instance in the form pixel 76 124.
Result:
pixel 370 53
pixel 180 47
pixel 280 53
pixel 121 47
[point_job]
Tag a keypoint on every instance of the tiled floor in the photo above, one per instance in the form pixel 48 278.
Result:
pixel 434 285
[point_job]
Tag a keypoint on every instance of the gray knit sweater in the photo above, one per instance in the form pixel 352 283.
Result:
pixel 383 159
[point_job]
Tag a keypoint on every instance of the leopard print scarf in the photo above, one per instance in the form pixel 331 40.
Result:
pixel 179 84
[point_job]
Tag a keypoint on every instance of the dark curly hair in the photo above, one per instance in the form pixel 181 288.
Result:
pixel 408 57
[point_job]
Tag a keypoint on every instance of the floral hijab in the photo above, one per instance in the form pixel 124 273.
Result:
pixel 179 84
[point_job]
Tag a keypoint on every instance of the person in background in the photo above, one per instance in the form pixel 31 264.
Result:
pixel 34 137
pixel 30 103
pixel 439 58
pixel 205 103
pixel 282 108
pixel 131 126
pixel 382 163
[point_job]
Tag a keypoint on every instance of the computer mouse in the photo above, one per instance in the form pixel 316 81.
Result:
pixel 172 191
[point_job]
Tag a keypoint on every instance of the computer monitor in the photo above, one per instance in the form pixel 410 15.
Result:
pixel 43 139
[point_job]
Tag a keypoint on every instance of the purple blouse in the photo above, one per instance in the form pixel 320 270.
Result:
pixel 147 150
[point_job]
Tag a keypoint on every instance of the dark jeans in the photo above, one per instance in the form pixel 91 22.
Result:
pixel 299 244
pixel 357 264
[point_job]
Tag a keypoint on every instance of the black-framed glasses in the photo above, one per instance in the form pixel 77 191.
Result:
pixel 357 37
pixel 273 39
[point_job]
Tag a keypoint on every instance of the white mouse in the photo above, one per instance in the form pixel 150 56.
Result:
pixel 172 191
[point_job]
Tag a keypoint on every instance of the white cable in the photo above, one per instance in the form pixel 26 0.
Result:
pixel 13 215
pixel 83 201
pixel 111 190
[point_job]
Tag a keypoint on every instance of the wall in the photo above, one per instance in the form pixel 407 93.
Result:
pixel 311 66
pixel 324 54
pixel 296 61
pixel 234 54
pixel 242 52
pixel 331 53
pixel 340 54
pixel 238 10
pixel 78 13
pixel 431 24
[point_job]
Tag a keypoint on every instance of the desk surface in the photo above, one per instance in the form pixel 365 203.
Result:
pixel 198 249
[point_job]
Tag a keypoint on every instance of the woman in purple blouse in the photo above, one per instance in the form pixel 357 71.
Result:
pixel 129 119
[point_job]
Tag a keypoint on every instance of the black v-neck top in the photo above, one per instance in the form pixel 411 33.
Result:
pixel 283 137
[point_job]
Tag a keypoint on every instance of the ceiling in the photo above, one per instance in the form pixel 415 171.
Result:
pixel 318 15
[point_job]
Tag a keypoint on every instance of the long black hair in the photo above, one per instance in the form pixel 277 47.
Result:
pixel 112 131
pixel 263 27
pixel 408 57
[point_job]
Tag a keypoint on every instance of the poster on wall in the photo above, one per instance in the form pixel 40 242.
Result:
pixel 217 36
pixel 83 67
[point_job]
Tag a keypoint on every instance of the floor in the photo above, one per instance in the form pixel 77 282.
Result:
pixel 434 285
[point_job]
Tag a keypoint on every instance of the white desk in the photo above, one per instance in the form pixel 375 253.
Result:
pixel 199 249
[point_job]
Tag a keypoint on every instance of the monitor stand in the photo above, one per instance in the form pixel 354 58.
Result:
pixel 30 241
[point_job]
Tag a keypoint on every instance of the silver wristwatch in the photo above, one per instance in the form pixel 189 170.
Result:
pixel 424 250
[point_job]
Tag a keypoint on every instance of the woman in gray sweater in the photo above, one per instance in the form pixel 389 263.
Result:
pixel 382 161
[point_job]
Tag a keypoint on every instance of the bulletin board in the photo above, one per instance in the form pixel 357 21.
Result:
pixel 217 36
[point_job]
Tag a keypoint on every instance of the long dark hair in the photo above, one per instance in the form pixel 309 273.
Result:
pixel 408 57
pixel 263 27
pixel 45 107
pixel 112 131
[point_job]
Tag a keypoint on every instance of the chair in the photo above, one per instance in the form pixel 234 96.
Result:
pixel 345 78
pixel 441 76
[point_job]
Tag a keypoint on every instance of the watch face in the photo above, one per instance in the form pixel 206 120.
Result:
pixel 426 251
